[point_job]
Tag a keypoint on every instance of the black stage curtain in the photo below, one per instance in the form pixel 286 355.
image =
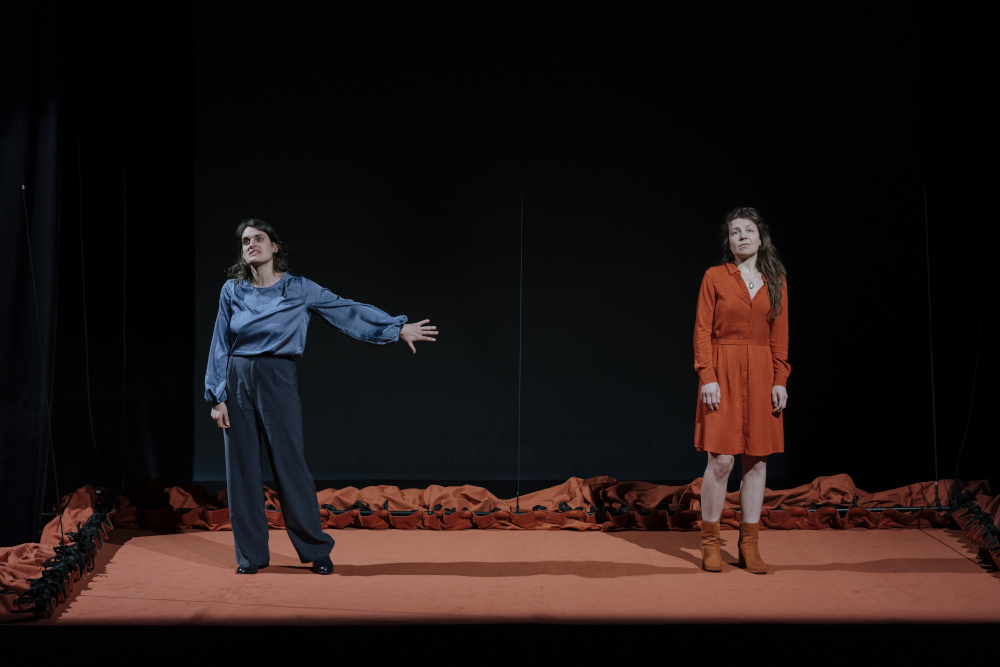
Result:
pixel 106 119
pixel 385 146
pixel 29 156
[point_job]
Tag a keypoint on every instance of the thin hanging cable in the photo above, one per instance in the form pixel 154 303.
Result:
pixel 83 287
pixel 520 292
pixel 124 300
pixel 930 335
pixel 975 369
pixel 46 404
pixel 927 245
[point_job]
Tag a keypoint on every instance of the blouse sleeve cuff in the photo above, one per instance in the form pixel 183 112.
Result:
pixel 708 376
pixel 383 336
pixel 215 395
pixel 398 329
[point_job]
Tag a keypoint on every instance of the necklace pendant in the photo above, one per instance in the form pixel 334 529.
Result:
pixel 751 284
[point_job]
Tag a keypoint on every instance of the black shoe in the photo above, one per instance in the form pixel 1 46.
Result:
pixel 246 569
pixel 322 566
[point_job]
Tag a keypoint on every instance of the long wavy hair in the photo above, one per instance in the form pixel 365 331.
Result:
pixel 241 270
pixel 768 262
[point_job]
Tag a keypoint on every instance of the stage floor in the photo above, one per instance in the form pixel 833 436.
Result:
pixel 480 576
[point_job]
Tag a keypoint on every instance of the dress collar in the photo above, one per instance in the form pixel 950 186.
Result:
pixel 733 270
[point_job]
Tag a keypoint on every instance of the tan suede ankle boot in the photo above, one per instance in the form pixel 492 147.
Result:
pixel 711 556
pixel 750 558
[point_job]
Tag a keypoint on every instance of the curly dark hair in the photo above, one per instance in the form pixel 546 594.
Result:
pixel 241 270
pixel 768 262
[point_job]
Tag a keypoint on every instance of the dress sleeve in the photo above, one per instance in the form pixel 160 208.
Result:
pixel 357 320
pixel 703 322
pixel 218 355
pixel 779 340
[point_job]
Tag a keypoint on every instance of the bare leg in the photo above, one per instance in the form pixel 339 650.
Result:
pixel 752 489
pixel 713 485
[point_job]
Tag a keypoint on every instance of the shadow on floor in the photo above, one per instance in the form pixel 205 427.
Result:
pixel 193 549
pixel 686 546
pixel 968 549
pixel 587 569
pixel 116 539
pixel 682 546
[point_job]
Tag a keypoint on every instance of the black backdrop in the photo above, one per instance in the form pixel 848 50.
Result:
pixel 386 147
pixel 386 144
pixel 105 119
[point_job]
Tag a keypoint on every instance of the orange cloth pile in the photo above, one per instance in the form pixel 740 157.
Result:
pixel 658 507
pixel 24 562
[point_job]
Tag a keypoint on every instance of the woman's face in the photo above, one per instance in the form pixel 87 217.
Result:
pixel 257 247
pixel 744 238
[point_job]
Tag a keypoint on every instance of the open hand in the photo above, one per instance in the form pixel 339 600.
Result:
pixel 220 413
pixel 417 331
pixel 779 397
pixel 711 395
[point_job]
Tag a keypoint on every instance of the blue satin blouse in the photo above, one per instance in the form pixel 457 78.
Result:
pixel 258 321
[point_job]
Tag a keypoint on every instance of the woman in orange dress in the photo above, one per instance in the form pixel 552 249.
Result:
pixel 741 356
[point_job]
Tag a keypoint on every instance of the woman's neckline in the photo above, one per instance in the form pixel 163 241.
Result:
pixel 276 282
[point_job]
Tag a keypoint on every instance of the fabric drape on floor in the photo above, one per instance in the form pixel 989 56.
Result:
pixel 24 562
pixel 577 504
pixel 594 504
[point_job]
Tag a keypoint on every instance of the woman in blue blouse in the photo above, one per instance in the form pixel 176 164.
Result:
pixel 251 385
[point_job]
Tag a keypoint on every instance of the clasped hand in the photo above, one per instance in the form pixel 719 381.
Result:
pixel 220 414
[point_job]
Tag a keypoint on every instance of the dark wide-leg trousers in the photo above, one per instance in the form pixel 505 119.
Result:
pixel 265 412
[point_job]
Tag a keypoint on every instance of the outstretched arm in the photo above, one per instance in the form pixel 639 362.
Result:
pixel 417 331
pixel 358 320
pixel 362 321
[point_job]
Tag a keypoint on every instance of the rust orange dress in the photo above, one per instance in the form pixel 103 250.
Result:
pixel 737 346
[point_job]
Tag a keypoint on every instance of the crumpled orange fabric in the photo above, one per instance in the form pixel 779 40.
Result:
pixel 20 564
pixel 659 507
pixel 76 508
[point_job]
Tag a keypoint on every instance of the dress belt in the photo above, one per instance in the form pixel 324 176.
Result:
pixel 739 341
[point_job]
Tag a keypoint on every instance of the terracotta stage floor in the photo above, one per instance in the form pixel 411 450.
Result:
pixel 472 576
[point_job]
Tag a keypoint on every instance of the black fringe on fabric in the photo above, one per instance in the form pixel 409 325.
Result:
pixel 76 556
pixel 977 524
